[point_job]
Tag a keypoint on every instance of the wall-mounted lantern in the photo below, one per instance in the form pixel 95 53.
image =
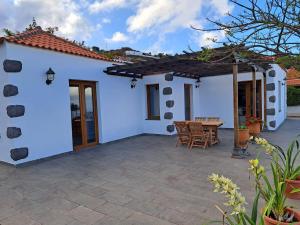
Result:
pixel 133 82
pixel 50 76
pixel 197 83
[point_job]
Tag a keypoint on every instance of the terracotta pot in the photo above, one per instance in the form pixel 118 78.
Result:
pixel 243 137
pixel 270 221
pixel 290 185
pixel 254 128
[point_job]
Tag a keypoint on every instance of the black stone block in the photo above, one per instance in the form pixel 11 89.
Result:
pixel 270 87
pixel 15 110
pixel 272 123
pixel 271 112
pixel 13 132
pixel 12 66
pixel 19 153
pixel 272 73
pixel 170 128
pixel 169 77
pixel 170 103
pixel 10 90
pixel 168 116
pixel 167 91
pixel 272 98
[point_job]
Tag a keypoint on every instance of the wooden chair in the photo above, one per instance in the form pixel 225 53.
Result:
pixel 198 137
pixel 200 118
pixel 183 134
pixel 214 131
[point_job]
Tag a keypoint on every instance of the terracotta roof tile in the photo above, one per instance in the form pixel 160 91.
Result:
pixel 293 82
pixel 41 39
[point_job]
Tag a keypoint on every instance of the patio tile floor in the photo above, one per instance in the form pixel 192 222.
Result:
pixel 142 180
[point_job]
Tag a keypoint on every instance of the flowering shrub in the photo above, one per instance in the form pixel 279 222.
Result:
pixel 235 200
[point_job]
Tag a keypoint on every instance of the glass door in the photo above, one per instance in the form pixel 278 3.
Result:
pixel 83 113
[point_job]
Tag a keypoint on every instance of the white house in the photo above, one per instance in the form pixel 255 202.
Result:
pixel 83 106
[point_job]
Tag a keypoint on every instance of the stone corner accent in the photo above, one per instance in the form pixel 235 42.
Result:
pixel 168 116
pixel 15 110
pixel 272 124
pixel 272 98
pixel 170 103
pixel 170 128
pixel 271 112
pixel 13 132
pixel 167 91
pixel 270 87
pixel 12 66
pixel 10 90
pixel 19 153
pixel 272 73
pixel 169 77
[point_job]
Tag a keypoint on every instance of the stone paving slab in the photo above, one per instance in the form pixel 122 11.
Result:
pixel 142 180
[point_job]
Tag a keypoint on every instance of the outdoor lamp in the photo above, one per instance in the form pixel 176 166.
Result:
pixel 197 83
pixel 133 82
pixel 50 76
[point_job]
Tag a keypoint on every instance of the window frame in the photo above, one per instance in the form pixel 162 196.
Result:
pixel 149 116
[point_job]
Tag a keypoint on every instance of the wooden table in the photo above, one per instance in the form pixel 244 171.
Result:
pixel 212 125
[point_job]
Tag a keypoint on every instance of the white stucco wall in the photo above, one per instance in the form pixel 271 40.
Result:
pixel 4 120
pixel 280 115
pixel 177 85
pixel 46 125
pixel 216 96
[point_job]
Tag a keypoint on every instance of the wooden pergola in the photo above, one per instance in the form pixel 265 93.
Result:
pixel 221 61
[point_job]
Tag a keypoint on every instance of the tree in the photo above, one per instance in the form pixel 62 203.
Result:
pixel 267 27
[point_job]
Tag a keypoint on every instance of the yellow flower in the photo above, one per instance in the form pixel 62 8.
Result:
pixel 230 190
pixel 255 167
pixel 269 148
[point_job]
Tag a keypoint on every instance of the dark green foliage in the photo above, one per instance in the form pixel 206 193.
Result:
pixel 289 62
pixel 293 96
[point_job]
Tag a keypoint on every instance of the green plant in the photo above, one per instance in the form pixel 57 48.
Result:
pixel 243 127
pixel 236 203
pixel 293 96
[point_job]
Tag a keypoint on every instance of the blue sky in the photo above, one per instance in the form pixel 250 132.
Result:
pixel 146 25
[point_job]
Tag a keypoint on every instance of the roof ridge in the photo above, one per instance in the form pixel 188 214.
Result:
pixel 34 37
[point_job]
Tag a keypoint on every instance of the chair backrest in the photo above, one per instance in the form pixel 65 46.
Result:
pixel 195 128
pixel 181 127
pixel 213 118
pixel 200 118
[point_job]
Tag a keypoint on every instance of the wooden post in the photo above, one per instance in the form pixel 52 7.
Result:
pixel 235 107
pixel 254 92
pixel 265 100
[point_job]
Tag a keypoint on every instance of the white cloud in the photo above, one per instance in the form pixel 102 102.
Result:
pixel 106 5
pixel 66 14
pixel 117 37
pixel 205 39
pixel 106 21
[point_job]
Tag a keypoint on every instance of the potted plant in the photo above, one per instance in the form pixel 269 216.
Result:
pixel 236 203
pixel 254 125
pixel 288 168
pixel 275 212
pixel 243 136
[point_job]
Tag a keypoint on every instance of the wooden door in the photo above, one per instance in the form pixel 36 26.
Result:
pixel 84 114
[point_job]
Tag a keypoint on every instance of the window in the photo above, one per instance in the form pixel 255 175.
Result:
pixel 279 96
pixel 153 102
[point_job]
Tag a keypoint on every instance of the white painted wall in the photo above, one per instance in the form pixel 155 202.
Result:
pixel 4 120
pixel 216 96
pixel 177 85
pixel 46 125
pixel 279 116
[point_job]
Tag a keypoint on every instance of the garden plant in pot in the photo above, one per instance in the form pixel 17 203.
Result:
pixel 243 136
pixel 276 211
pixel 287 162
pixel 254 124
